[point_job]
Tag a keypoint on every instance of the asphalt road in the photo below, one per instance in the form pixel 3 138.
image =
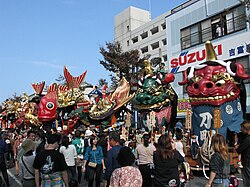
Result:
pixel 198 181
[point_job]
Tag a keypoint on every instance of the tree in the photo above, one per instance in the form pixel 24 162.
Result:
pixel 102 82
pixel 61 80
pixel 122 64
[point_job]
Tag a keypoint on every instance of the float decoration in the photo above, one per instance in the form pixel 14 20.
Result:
pixel 215 83
pixel 69 106
pixel 156 94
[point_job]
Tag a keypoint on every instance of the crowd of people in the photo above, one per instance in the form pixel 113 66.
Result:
pixel 51 158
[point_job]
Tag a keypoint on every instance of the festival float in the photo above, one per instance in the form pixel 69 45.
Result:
pixel 67 106
pixel 156 99
pixel 218 100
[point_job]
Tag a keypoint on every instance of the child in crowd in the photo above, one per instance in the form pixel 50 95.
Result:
pixel 194 146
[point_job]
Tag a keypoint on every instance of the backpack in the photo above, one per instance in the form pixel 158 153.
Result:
pixel 234 181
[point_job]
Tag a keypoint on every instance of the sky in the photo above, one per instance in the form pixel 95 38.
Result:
pixel 39 37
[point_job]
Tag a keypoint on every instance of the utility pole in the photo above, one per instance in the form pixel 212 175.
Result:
pixel 149 9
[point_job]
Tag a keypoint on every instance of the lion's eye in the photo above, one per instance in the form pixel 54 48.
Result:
pixel 219 83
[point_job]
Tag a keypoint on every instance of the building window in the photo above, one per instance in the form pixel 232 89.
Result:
pixel 127 28
pixel 165 58
pixel 194 32
pixel 154 30
pixel 155 45
pixel 144 35
pixel 127 42
pixel 144 49
pixel 185 38
pixel 135 39
pixel 163 26
pixel 206 31
pixel 217 26
pixel 164 41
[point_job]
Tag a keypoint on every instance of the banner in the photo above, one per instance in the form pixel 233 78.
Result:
pixel 203 120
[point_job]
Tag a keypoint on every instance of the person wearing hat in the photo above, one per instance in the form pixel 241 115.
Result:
pixel 244 150
pixel 88 133
pixel 26 169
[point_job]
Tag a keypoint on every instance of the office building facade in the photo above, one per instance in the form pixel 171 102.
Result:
pixel 180 33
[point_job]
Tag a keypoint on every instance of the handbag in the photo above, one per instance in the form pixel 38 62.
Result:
pixel 93 164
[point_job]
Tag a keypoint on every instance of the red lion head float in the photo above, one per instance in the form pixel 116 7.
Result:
pixel 213 82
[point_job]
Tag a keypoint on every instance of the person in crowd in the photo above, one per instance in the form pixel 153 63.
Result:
pixel 69 152
pixel 54 130
pixel 179 145
pixel 94 158
pixel 240 137
pixel 41 142
pixel 30 135
pixel 26 169
pixel 16 149
pixel 144 155
pixel 51 165
pixel 112 154
pixel 8 151
pixel 103 142
pixel 170 133
pixel 219 163
pixel 88 133
pixel 194 146
pixel 244 150
pixel 2 161
pixel 166 160
pixel 78 142
pixel 126 175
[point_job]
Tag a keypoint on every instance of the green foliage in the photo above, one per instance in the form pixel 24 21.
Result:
pixel 121 64
pixel 102 82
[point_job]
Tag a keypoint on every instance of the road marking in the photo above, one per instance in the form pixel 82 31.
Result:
pixel 14 177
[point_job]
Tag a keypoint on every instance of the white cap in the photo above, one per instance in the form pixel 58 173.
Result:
pixel 88 133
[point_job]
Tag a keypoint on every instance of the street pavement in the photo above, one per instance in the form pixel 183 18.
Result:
pixel 198 181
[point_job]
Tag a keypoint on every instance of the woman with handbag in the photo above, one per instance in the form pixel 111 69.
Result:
pixel 94 157
pixel 144 155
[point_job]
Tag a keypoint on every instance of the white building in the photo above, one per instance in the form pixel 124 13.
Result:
pixel 184 30
pixel 135 30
